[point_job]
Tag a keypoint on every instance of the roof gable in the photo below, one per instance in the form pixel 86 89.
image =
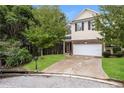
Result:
pixel 86 13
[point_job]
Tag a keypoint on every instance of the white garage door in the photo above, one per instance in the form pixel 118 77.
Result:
pixel 89 49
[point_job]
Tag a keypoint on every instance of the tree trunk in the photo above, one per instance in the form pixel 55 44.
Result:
pixel 41 51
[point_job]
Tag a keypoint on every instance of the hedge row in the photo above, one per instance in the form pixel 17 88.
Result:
pixel 117 54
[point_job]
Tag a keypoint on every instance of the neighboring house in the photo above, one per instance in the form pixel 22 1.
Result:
pixel 83 39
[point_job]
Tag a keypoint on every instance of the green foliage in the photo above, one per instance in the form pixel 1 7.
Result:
pixel 8 45
pixel 116 49
pixel 41 27
pixel 119 54
pixel 14 20
pixel 37 37
pixel 12 53
pixel 18 57
pixel 106 54
pixel 111 24
pixel 51 27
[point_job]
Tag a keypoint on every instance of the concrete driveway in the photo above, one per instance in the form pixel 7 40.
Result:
pixel 79 65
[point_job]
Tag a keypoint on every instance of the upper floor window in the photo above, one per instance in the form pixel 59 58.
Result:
pixel 75 26
pixel 79 26
pixel 89 25
pixel 82 26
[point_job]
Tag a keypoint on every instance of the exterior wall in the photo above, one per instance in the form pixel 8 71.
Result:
pixel 89 41
pixel 86 34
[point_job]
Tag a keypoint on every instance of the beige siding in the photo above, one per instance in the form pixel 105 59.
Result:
pixel 85 14
pixel 86 34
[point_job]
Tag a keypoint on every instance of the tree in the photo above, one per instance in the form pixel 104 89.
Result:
pixel 110 22
pixel 51 27
pixel 14 20
pixel 3 12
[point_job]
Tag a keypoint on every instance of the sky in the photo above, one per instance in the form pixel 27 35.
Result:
pixel 72 10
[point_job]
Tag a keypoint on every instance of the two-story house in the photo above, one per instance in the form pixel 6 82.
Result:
pixel 83 39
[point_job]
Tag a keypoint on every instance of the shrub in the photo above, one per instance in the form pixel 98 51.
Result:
pixel 123 52
pixel 116 49
pixel 106 54
pixel 17 57
pixel 119 54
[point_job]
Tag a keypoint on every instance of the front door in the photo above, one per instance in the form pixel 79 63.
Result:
pixel 68 47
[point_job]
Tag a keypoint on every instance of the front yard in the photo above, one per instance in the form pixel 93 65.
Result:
pixel 44 62
pixel 114 67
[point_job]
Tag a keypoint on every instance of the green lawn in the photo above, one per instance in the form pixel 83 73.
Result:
pixel 44 62
pixel 114 67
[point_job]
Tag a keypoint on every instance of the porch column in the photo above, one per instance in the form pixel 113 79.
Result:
pixel 0 63
pixel 103 47
pixel 63 47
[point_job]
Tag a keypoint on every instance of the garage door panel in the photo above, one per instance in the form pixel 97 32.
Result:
pixel 90 49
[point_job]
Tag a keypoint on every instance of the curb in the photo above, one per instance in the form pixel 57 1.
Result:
pixel 111 82
pixel 83 77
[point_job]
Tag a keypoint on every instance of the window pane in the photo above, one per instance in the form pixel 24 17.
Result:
pixel 79 26
pixel 82 26
pixel 75 27
pixel 89 25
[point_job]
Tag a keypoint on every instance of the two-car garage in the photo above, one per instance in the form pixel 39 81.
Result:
pixel 87 49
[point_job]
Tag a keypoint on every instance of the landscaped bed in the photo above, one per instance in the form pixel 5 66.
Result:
pixel 44 62
pixel 114 67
